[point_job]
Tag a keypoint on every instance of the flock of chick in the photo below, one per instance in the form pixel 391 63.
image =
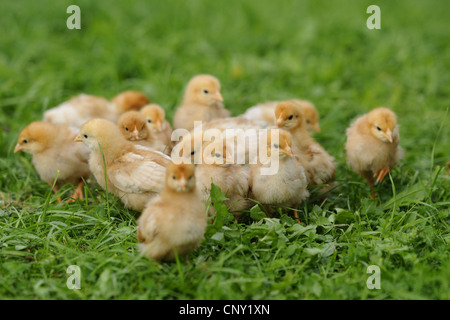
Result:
pixel 126 145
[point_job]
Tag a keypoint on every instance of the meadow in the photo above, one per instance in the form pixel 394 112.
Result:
pixel 260 50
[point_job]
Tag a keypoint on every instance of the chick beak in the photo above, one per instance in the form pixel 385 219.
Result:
pixel 287 151
pixel 18 148
pixel 183 183
pixel 279 122
pixel 136 133
pixel 158 125
pixel 77 138
pixel 388 135
pixel 316 128
pixel 218 96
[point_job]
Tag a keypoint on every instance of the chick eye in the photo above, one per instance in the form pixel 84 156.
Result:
pixel 126 128
pixel 85 136
pixel 290 117
pixel 205 91
pixel 25 141
pixel 149 121
pixel 276 145
pixel 173 177
pixel 378 128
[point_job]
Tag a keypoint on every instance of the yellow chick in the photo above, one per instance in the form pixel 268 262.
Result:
pixel 320 167
pixel 133 126
pixel 53 150
pixel 174 221
pixel 83 107
pixel 372 145
pixel 202 101
pixel 80 109
pixel 264 112
pixel 158 125
pixel 279 180
pixel 128 101
pixel 134 173
pixel 218 166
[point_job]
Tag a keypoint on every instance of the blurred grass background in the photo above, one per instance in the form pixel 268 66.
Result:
pixel 260 50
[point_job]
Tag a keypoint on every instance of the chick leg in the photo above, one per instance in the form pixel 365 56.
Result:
pixel 380 174
pixel 78 193
pixel 296 218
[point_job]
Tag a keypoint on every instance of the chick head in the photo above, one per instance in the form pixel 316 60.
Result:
pixel 99 132
pixel 35 137
pixel 382 122
pixel 203 89
pixel 311 114
pixel 180 177
pixel 133 126
pixel 218 152
pixel 279 143
pixel 130 100
pixel 155 116
pixel 289 115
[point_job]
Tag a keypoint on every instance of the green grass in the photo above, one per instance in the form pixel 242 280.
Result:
pixel 260 50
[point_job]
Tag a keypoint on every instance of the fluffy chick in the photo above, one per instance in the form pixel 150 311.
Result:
pixel 53 150
pixel 175 220
pixel 264 112
pixel 133 126
pixel 83 107
pixel 202 101
pixel 128 101
pixel 287 186
pixel 372 145
pixel 218 166
pixel 319 166
pixel 159 127
pixel 134 173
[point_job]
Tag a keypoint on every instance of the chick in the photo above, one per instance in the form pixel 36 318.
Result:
pixel 233 123
pixel 159 127
pixel 372 145
pixel 133 126
pixel 320 167
pixel 128 101
pixel 174 222
pixel 82 108
pixel 133 173
pixel 202 101
pixel 218 166
pixel 265 113
pixel 286 186
pixel 53 150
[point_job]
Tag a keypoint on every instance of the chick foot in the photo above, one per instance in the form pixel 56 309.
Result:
pixel 380 174
pixel 77 194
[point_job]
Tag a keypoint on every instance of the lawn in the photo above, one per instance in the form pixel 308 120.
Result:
pixel 260 50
